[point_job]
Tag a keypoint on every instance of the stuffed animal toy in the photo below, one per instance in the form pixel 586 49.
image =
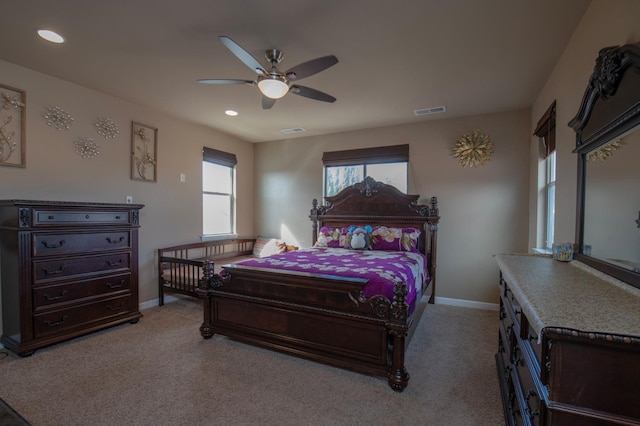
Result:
pixel 360 239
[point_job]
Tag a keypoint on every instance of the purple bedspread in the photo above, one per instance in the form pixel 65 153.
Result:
pixel 381 268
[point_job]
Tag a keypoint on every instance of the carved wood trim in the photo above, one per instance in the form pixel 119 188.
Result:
pixel 611 65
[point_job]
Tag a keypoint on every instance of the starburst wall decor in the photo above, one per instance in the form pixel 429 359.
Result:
pixel 58 118
pixel 473 150
pixel 86 148
pixel 107 128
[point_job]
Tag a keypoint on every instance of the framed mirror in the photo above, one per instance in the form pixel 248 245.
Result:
pixel 608 146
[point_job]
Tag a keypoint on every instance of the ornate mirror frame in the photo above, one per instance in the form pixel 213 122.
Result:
pixel 610 107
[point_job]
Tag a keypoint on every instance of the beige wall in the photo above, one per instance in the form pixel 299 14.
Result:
pixel 172 212
pixel 605 23
pixel 483 210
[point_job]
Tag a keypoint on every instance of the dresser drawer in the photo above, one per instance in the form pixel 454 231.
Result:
pixel 61 294
pixel 46 271
pixel 81 317
pixel 506 331
pixel 73 217
pixel 530 339
pixel 47 244
pixel 512 314
pixel 527 388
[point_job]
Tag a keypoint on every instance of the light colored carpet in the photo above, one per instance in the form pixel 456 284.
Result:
pixel 161 372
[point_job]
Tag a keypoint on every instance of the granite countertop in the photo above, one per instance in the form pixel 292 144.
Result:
pixel 571 295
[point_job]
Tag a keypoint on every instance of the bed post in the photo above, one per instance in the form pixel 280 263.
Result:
pixel 160 279
pixel 434 218
pixel 210 281
pixel 313 215
pixel 398 329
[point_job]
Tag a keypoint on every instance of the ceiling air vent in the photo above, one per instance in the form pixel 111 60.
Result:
pixel 293 130
pixel 428 111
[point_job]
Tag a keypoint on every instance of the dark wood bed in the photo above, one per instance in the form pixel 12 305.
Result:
pixel 326 318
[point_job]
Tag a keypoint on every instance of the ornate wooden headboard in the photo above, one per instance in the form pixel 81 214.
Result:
pixel 375 203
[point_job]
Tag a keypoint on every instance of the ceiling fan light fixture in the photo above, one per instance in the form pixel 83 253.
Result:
pixel 273 87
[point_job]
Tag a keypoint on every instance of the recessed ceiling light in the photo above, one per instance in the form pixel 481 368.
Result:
pixel 231 112
pixel 51 36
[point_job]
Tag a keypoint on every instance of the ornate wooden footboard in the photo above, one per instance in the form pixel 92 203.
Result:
pixel 326 318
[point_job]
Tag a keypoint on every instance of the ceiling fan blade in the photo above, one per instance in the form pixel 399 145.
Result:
pixel 226 81
pixel 243 55
pixel 311 67
pixel 267 103
pixel 308 92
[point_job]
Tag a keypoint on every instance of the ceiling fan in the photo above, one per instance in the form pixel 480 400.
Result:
pixel 273 83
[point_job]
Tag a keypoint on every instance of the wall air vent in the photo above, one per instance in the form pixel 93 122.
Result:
pixel 293 130
pixel 428 111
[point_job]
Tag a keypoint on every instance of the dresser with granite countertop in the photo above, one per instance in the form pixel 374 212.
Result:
pixel 568 345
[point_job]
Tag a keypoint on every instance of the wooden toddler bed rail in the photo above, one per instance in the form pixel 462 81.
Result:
pixel 181 267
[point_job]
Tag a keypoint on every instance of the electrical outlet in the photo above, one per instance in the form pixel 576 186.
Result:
pixel 128 199
pixel 183 178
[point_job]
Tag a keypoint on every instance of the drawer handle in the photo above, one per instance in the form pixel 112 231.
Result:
pixel 50 298
pixel 115 240
pixel 54 271
pixel 515 356
pixel 86 216
pixel 112 286
pixel 119 262
pixel 55 324
pixel 531 413
pixel 117 217
pixel 503 314
pixel 54 245
pixel 115 308
pixel 51 217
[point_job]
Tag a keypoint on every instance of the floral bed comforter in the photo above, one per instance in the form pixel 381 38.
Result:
pixel 381 268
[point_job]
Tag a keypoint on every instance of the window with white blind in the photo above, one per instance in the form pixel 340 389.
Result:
pixel 218 192
pixel 546 132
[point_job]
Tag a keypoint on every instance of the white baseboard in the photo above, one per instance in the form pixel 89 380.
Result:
pixel 467 303
pixel 156 302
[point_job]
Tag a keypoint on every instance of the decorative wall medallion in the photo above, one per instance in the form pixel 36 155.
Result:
pixel 58 118
pixel 86 148
pixel 107 128
pixel 473 150
pixel 12 127
pixel 604 151
pixel 144 159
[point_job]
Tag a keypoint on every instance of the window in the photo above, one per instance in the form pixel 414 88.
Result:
pixel 546 132
pixel 388 164
pixel 218 192
pixel 550 199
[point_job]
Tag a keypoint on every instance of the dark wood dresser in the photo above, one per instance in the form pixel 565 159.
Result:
pixel 568 345
pixel 67 269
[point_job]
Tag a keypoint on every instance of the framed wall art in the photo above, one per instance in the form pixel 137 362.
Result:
pixel 144 150
pixel 13 124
